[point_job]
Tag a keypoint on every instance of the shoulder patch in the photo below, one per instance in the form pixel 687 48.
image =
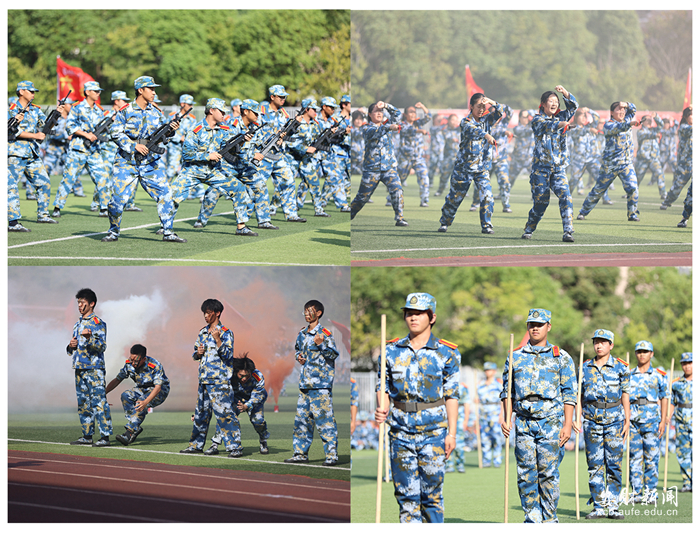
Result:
pixel 99 106
pixel 661 372
pixel 555 350
pixel 37 106
pixel 448 344
pixel 262 110
pixel 224 127
pixel 151 365
pixel 622 361
pixel 326 332
pixel 197 129
pixel 224 328
pixel 156 106
pixel 236 122
pixel 284 112
pixel 353 380
pixel 128 361
pixel 679 377
pixel 13 106
pixel 172 113
pixel 122 108
pixel 96 320
pixel 257 376
pixel 393 340
pixel 191 115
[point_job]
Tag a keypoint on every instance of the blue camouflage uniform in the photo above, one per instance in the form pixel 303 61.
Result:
pixel 649 154
pixel 254 395
pixel 523 148
pixel 602 387
pixel 418 384
pixel 437 147
pixel 89 366
pixel 187 123
pixel 499 157
pixel 667 147
pixel 544 380
pixel 472 164
pixel 331 162
pixel 451 138
pixel 647 389
pixel 315 402
pixel 379 164
pixel 684 165
pixel 131 124
pixel 341 152
pixel 489 421
pixel 457 458
pixel 617 163
pixel 214 393
pixel 357 150
pixel 585 154
pixel 147 376
pixel 411 156
pixel 56 148
pixel 682 390
pixel 23 160
pixel 548 167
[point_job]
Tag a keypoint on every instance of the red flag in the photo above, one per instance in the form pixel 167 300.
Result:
pixel 70 78
pixel 687 101
pixel 472 87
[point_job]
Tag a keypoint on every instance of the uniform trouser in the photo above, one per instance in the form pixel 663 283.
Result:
pixel 418 472
pixel 604 450
pixel 446 169
pixel 174 159
pixel 315 408
pixel 55 157
pixel 434 165
pixel 684 451
pixel 308 170
pixel 667 158
pixel 257 419
pixel 258 194
pixel 356 157
pixel 344 166
pixel 216 177
pixel 459 186
pixel 688 203
pixel 605 178
pixel 680 177
pixel 541 181
pixel 417 163
pixel 126 177
pixel 34 170
pixel 92 401
pixel 500 167
pixel 283 180
pixel 216 398
pixel 579 168
pixel 334 181
pixel 538 455
pixel 517 165
pixel 657 174
pixel 98 170
pixel 491 442
pixel 458 457
pixel 135 418
pixel 644 457
pixel 370 180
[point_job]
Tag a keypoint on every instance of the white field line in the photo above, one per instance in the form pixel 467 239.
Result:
pixel 515 246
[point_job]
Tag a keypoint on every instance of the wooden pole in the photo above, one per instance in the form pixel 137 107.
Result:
pixel 386 454
pixel 382 351
pixel 476 418
pixel 668 421
pixel 627 452
pixel 579 409
pixel 508 416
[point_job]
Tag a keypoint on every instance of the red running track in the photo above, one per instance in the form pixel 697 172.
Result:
pixel 47 487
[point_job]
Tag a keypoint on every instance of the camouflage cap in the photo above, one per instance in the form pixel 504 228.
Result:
pixel 187 99
pixel 604 334
pixel 216 103
pixel 119 95
pixel 345 98
pixel 236 101
pixel 540 316
pixel 329 101
pixel 27 86
pixel 251 105
pixel 687 357
pixel 144 81
pixel 644 346
pixel 421 301
pixel 490 365
pixel 310 102
pixel 278 90
pixel 92 86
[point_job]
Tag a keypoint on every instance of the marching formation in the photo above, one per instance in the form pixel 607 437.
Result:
pixel 228 385
pixel 558 145
pixel 231 152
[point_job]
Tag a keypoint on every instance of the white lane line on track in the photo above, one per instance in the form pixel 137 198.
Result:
pixel 515 246
pixel 83 511
pixel 165 471
pixel 219 457
pixel 165 259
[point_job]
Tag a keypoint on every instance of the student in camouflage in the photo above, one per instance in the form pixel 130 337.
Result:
pixel 543 396
pixel 457 460
pixel 451 136
pixel 57 145
pixel 605 407
pixel 23 158
pixel 648 387
pixel 667 145
pixel 214 351
pixel 422 383
pixel 331 161
pixel 87 348
pixel 682 399
pixel 524 145
pixel 499 158
pixel 410 154
pixel 648 152
pixel 585 153
pixel 473 162
pixel 617 161
pixel 550 161
pixel 437 148
pixel 151 390
pixel 357 143
pixel 187 123
pixel 379 162
pixel 684 165
pixel 316 352
pixel 490 417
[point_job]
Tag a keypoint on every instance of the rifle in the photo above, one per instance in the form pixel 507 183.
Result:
pixel 158 137
pixel 289 128
pixel 329 137
pixel 229 150
pixel 13 124
pixel 100 131
pixel 53 116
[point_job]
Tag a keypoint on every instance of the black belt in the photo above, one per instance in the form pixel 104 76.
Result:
pixel 684 405
pixel 604 405
pixel 414 407
pixel 642 401
pixel 532 398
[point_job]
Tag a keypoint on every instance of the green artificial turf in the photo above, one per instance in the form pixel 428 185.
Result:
pixel 605 230
pixel 478 494
pixel 166 433
pixel 319 241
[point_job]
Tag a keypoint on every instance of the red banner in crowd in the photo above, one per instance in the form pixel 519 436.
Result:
pixel 472 87
pixel 70 78
pixel 687 101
